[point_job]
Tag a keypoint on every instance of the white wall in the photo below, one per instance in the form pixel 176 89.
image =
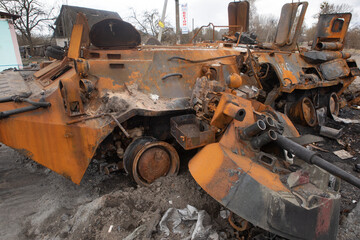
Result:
pixel 61 42
pixel 9 47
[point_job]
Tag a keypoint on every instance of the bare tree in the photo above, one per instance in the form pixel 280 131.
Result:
pixel 32 16
pixel 264 27
pixel 326 8
pixel 308 33
pixel 261 25
pixel 253 10
pixel 148 24
pixel 138 22
pixel 352 38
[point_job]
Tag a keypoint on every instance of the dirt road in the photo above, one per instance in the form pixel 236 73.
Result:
pixel 36 203
pixel 31 195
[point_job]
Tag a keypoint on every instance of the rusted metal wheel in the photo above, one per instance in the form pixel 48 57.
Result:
pixel 303 112
pixel 147 159
pixel 333 104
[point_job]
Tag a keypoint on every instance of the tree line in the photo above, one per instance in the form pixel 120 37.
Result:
pixel 34 18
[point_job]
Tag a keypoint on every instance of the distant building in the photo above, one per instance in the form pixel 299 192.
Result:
pixel 9 47
pixel 38 50
pixel 67 18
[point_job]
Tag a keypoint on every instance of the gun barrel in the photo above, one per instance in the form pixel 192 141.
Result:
pixel 312 158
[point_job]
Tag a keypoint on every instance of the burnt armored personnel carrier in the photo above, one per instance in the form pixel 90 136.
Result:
pixel 137 105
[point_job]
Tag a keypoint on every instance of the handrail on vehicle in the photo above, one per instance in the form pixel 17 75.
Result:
pixel 214 26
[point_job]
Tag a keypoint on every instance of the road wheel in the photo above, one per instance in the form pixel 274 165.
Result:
pixel 333 105
pixel 303 112
pixel 147 159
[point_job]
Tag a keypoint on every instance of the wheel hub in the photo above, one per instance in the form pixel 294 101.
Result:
pixel 147 159
pixel 153 163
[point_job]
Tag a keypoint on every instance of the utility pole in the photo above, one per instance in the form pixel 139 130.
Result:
pixel 177 22
pixel 193 28
pixel 162 24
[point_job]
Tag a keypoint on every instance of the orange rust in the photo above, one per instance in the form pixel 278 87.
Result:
pixel 44 75
pixel 153 160
pixel 243 222
pixel 245 163
pixel 257 172
pixel 85 40
pixel 235 81
pixel 238 14
pixel 332 29
pixel 287 75
pixel 223 163
pixel 75 44
pixel 67 150
pixel 70 92
pixel 154 163
pixel 142 68
pixel 231 155
pixel 304 112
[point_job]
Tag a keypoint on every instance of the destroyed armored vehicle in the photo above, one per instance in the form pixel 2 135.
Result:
pixel 139 105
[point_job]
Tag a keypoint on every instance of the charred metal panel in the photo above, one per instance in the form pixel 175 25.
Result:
pixel 246 186
pixel 323 56
pixel 147 68
pixel 190 133
pixel 335 69
pixel 290 22
pixel 231 183
pixel 288 67
pixel 44 136
pixel 331 31
pixel 70 92
pixel 292 221
pixel 238 13
pixel 291 70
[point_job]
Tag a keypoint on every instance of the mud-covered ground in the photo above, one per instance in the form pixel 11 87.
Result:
pixel 36 203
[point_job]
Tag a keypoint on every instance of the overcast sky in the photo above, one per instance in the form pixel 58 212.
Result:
pixel 205 11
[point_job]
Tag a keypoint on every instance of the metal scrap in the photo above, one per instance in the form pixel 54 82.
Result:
pixel 345 120
pixel 175 221
pixel 331 132
pixel 343 154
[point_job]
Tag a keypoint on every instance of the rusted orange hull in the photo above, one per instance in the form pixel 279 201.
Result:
pixel 246 180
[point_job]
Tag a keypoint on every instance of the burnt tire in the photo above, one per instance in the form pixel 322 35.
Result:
pixel 55 52
pixel 58 47
pixel 147 159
